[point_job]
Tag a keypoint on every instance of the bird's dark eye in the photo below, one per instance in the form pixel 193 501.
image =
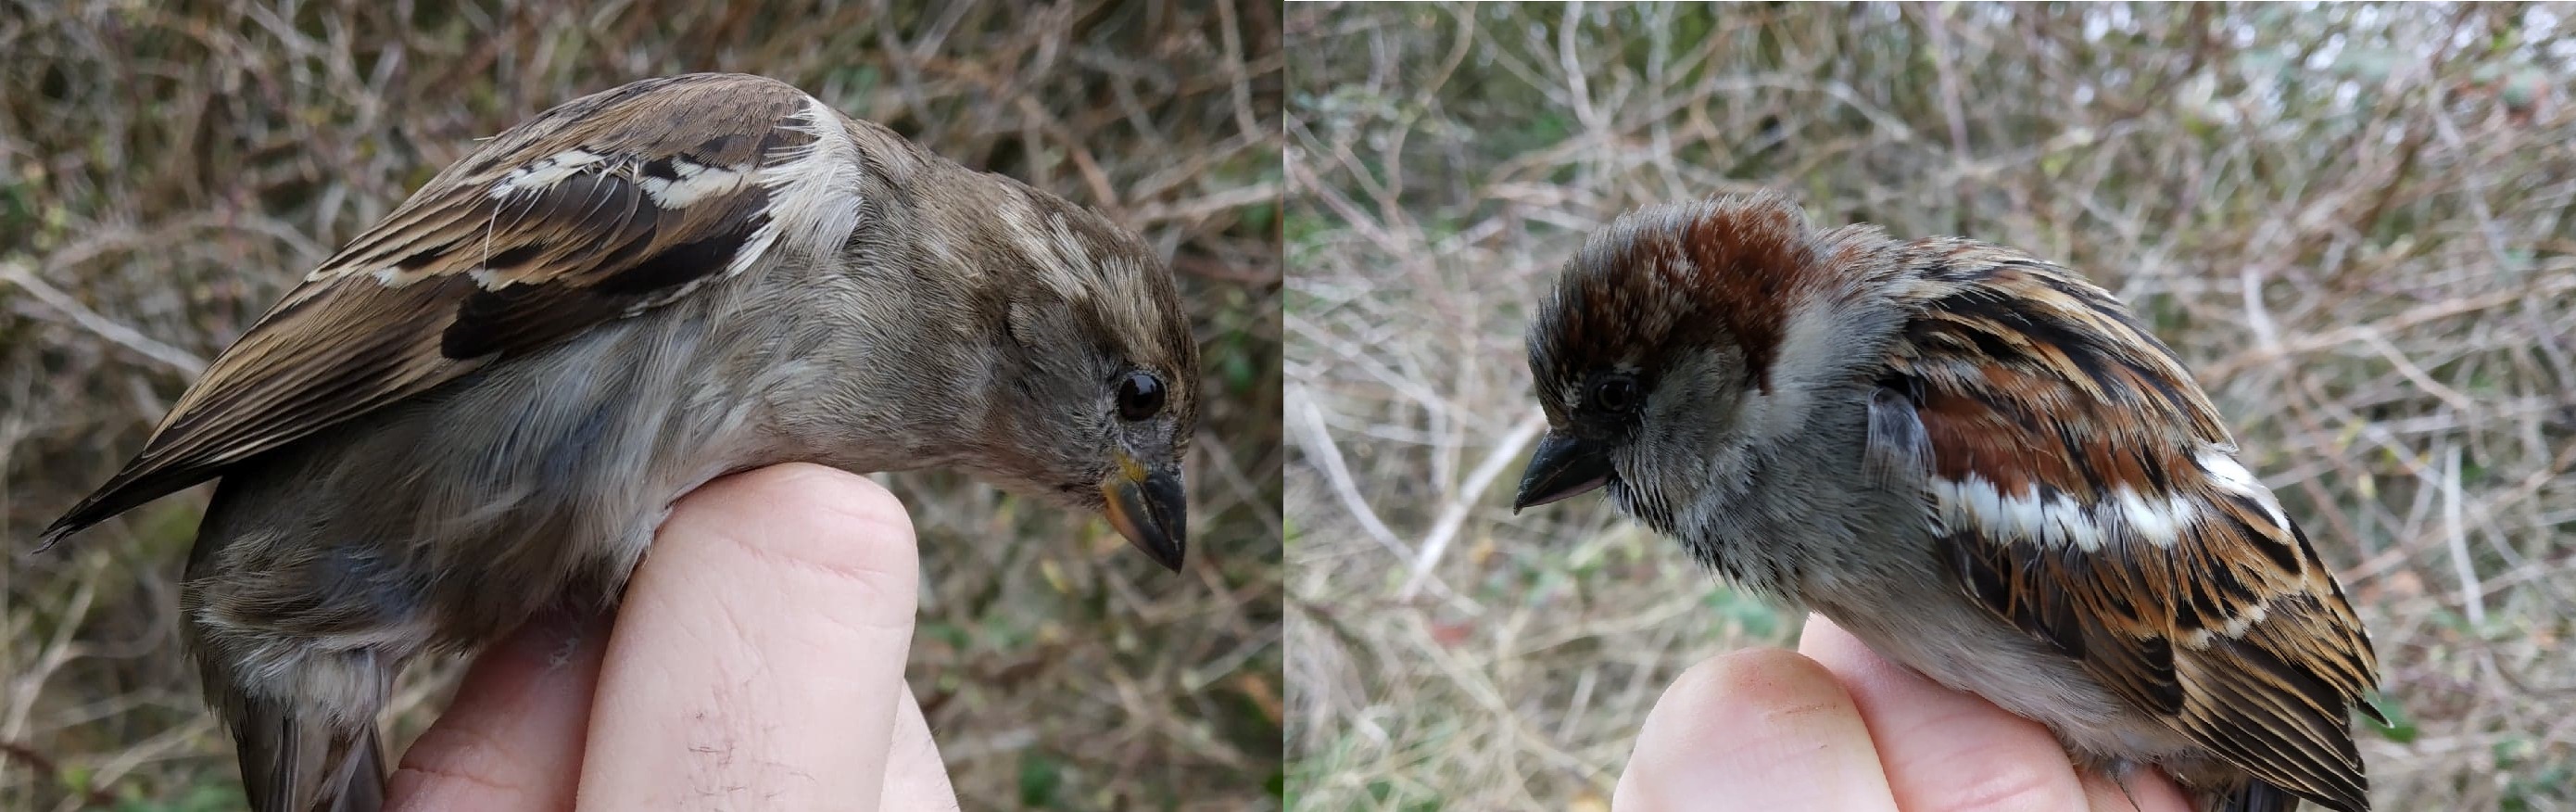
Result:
pixel 1614 393
pixel 1140 396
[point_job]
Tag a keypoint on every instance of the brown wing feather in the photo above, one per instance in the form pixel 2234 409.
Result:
pixel 2231 629
pixel 597 209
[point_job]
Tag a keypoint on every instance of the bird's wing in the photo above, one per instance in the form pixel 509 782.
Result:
pixel 2086 492
pixel 604 207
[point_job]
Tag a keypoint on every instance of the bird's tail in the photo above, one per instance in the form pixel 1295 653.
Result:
pixel 293 762
pixel 2254 796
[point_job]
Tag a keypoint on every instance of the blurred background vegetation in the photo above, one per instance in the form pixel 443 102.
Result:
pixel 166 170
pixel 2352 221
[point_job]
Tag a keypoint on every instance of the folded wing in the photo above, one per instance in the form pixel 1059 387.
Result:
pixel 2087 494
pixel 598 209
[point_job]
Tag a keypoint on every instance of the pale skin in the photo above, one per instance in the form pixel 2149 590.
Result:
pixel 1832 726
pixel 757 662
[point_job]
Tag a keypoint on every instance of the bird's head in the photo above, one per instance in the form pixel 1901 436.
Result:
pixel 1682 338
pixel 1091 369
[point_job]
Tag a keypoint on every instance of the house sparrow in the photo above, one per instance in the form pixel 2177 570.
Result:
pixel 1974 460
pixel 484 405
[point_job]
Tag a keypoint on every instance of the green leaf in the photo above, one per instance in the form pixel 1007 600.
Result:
pixel 1041 779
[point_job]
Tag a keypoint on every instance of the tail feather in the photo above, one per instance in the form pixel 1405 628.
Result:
pixel 2256 796
pixel 294 762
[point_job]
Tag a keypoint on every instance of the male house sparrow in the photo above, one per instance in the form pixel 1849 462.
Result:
pixel 485 404
pixel 1974 460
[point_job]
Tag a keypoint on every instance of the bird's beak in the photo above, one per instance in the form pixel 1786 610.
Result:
pixel 1147 507
pixel 1564 466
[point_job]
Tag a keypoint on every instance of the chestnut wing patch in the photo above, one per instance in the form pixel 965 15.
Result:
pixel 601 208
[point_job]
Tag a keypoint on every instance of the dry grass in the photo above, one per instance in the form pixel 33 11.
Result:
pixel 167 168
pixel 2353 222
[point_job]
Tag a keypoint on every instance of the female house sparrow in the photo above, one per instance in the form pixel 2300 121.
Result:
pixel 1974 460
pixel 484 405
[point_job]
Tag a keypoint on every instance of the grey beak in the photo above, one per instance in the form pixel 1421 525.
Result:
pixel 1564 466
pixel 1149 509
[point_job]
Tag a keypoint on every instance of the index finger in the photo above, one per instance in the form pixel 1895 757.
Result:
pixel 758 660
pixel 1946 749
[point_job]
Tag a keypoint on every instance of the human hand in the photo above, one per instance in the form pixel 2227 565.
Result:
pixel 757 661
pixel 1834 727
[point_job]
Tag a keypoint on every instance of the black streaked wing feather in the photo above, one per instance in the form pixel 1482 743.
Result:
pixel 459 277
pixel 2151 623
